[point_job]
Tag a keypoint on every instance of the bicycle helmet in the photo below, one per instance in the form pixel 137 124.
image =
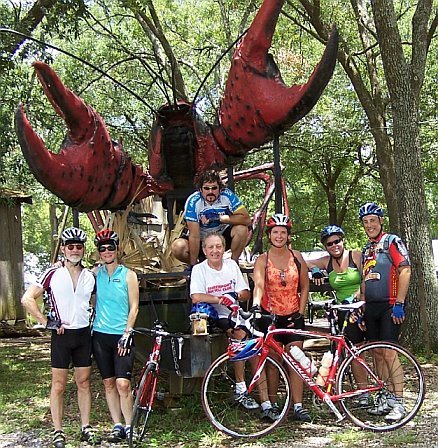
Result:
pixel 370 208
pixel 330 230
pixel 73 235
pixel 242 350
pixel 106 236
pixel 278 220
pixel 206 308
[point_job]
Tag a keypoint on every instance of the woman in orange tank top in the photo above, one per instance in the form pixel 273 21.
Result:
pixel 282 288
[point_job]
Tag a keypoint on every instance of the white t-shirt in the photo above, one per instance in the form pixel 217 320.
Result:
pixel 69 305
pixel 205 280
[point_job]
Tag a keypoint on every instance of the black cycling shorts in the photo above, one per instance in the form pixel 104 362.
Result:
pixel 283 322
pixel 108 361
pixel 74 346
pixel 353 332
pixel 379 323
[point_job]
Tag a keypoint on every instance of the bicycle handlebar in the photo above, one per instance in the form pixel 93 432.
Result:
pixel 156 332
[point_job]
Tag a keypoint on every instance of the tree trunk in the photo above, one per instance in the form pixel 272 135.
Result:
pixel 404 82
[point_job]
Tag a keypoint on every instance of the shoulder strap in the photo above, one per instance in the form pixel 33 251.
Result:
pixel 297 262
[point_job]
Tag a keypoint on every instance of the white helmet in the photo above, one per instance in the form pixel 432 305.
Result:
pixel 73 235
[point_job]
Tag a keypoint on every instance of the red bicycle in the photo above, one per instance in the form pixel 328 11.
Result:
pixel 365 402
pixel 146 386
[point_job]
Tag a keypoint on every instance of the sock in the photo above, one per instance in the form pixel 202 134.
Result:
pixel 241 388
pixel 266 405
pixel 297 406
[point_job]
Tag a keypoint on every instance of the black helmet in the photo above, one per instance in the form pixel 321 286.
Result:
pixel 370 208
pixel 328 231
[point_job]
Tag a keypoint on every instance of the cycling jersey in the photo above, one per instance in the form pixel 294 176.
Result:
pixel 381 260
pixel 112 301
pixel 197 207
pixel 69 304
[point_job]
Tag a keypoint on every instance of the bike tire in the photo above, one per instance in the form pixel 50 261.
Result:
pixel 401 373
pixel 142 407
pixel 231 418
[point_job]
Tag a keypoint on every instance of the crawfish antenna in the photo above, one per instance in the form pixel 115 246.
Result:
pixel 83 61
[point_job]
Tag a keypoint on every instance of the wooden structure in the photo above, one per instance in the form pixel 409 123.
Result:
pixel 11 255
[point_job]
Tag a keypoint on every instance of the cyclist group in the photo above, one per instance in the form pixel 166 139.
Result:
pixel 216 220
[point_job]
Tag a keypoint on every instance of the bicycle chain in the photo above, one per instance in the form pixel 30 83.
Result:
pixel 175 357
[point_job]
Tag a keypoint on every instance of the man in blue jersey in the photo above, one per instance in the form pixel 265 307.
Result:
pixel 117 299
pixel 69 287
pixel 213 208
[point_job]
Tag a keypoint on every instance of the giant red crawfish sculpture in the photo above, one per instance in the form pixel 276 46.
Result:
pixel 92 172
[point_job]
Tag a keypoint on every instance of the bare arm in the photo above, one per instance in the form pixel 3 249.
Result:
pixel 239 217
pixel 29 302
pixel 194 241
pixel 133 297
pixel 259 279
pixel 133 294
pixel 404 277
pixel 304 283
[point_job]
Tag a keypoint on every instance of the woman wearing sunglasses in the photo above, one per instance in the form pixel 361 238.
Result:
pixel 282 288
pixel 343 268
pixel 117 299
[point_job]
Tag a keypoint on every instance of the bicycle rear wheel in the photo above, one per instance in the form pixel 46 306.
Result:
pixel 402 388
pixel 226 414
pixel 143 405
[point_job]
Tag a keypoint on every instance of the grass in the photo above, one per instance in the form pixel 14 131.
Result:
pixel 180 422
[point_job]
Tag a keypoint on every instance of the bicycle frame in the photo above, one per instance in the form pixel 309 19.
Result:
pixel 327 396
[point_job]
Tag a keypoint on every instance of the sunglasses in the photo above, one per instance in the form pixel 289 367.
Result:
pixel 283 278
pixel 331 243
pixel 106 248
pixel 210 188
pixel 75 246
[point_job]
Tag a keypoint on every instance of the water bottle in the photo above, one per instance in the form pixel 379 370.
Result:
pixel 324 370
pixel 303 360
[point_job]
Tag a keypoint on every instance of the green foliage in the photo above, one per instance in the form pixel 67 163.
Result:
pixel 328 158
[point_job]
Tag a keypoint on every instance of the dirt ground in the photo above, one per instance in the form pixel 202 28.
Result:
pixel 423 432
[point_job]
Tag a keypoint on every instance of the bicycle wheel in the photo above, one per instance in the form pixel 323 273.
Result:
pixel 399 390
pixel 143 405
pixel 232 418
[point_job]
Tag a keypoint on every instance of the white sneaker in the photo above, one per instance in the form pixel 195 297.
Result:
pixel 397 413
pixel 246 401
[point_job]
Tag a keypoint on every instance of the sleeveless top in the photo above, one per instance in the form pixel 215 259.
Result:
pixel 344 283
pixel 282 300
pixel 112 301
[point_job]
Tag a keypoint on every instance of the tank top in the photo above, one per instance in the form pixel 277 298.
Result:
pixel 344 283
pixel 281 300
pixel 112 301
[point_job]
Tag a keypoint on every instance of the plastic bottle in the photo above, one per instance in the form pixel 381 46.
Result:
pixel 324 370
pixel 303 360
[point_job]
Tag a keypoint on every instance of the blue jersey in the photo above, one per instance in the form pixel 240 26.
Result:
pixel 112 301
pixel 197 208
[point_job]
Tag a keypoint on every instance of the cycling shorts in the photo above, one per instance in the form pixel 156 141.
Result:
pixel 283 322
pixel 74 346
pixel 379 323
pixel 353 332
pixel 108 361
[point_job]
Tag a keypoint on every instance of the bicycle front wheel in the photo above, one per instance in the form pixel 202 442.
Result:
pixel 397 380
pixel 231 416
pixel 143 405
